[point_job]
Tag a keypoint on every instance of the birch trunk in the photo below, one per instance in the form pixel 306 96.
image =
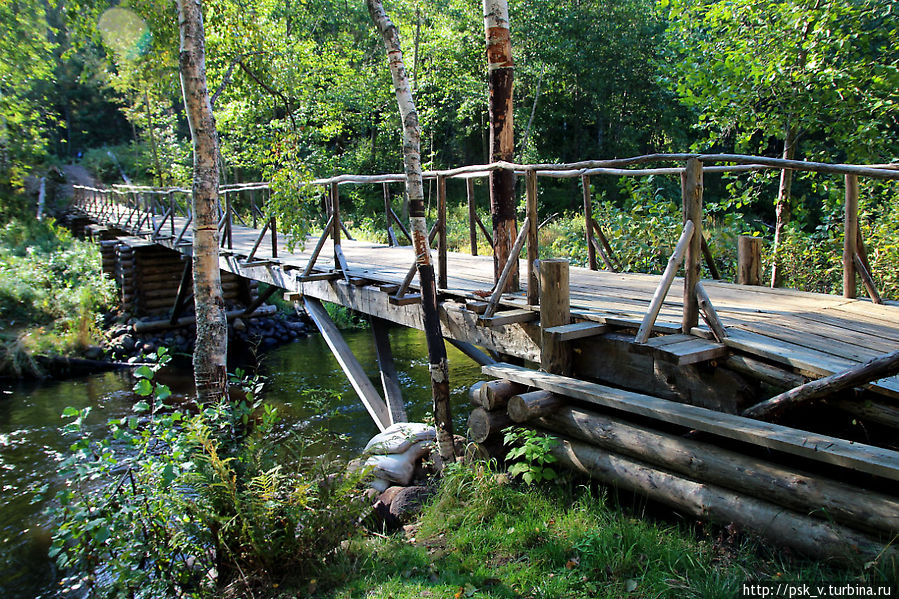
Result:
pixel 415 192
pixel 782 209
pixel 210 367
pixel 500 69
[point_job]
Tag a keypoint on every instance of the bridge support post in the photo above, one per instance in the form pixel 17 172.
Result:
pixel 555 310
pixel 533 248
pixel 389 380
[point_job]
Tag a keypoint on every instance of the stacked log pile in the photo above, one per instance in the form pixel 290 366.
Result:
pixel 815 512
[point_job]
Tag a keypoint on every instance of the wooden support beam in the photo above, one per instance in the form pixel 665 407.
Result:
pixel 183 290
pixel 850 235
pixel 348 362
pixel 484 229
pixel 710 260
pixel 442 276
pixel 872 370
pixel 507 317
pixel 867 279
pixel 655 306
pixel 691 181
pixel 335 213
pixel 259 240
pixel 508 269
pixel 272 289
pixel 472 216
pixel 391 237
pixel 823 448
pixel 709 315
pixel 400 224
pixel 578 330
pixel 318 247
pixel 472 351
pixel 588 222
pixel 389 380
pixel 555 311
pixel 532 221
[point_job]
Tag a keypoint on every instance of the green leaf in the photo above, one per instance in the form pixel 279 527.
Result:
pixel 163 392
pixel 141 406
pixel 143 387
pixel 69 411
pixel 144 372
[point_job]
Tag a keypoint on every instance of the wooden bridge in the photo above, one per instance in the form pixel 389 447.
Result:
pixel 626 344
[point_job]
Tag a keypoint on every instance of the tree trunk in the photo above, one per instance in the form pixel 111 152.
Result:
pixel 502 140
pixel 415 191
pixel 210 367
pixel 782 209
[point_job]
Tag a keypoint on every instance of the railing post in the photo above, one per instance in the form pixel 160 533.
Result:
pixel 442 277
pixel 273 229
pixel 691 187
pixel 472 216
pixel 335 230
pixel 171 195
pixel 230 221
pixel 555 310
pixel 533 247
pixel 850 236
pixel 749 260
pixel 588 221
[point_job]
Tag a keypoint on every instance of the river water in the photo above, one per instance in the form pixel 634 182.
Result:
pixel 31 445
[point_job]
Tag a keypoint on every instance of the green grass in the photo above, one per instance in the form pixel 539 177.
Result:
pixel 484 536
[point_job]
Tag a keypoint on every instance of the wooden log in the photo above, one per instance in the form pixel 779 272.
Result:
pixel 655 306
pixel 811 537
pixel 348 362
pixel 806 493
pixel 494 395
pixel 472 352
pixel 691 182
pixel 536 404
pixel 483 425
pixel 850 235
pixel 151 326
pixel 588 218
pixel 823 448
pixel 393 393
pixel 710 260
pixel 749 260
pixel 709 314
pixel 474 393
pixel 870 410
pixel 872 370
pixel 867 279
pixel 533 292
pixel 472 216
pixel 509 268
pixel 555 310
pixel 442 276
pixel 764 372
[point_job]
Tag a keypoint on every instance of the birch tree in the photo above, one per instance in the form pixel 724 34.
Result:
pixel 210 351
pixel 415 191
pixel 500 73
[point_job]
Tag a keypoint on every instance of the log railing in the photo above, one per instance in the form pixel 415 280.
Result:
pixel 155 209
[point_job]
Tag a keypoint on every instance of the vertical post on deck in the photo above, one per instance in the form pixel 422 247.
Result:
pixel 588 221
pixel 555 310
pixel 749 260
pixel 472 216
pixel 442 277
pixel 691 187
pixel 273 229
pixel 388 216
pixel 253 206
pixel 533 247
pixel 230 220
pixel 850 236
pixel 335 230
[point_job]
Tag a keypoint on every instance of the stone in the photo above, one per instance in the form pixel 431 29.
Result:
pixel 93 352
pixel 239 325
pixel 407 503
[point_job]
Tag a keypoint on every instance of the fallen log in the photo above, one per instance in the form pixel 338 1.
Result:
pixel 814 538
pixel 872 370
pixel 797 490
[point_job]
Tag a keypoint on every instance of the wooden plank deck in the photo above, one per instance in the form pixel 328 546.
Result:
pixel 815 333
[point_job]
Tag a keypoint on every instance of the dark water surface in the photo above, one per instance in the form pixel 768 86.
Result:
pixel 31 445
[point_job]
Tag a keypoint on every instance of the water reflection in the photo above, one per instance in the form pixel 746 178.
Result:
pixel 31 445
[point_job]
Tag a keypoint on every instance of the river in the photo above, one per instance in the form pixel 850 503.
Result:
pixel 31 445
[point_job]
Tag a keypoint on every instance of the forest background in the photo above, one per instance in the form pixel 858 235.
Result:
pixel 301 89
